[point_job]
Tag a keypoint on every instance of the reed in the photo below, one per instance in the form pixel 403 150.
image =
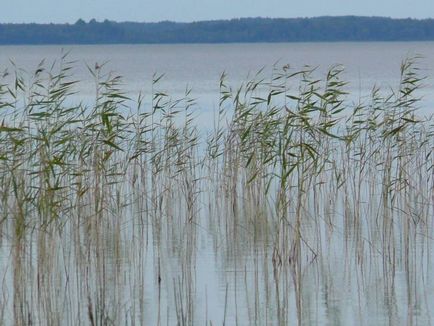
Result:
pixel 106 206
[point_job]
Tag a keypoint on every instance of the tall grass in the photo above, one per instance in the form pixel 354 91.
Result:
pixel 103 203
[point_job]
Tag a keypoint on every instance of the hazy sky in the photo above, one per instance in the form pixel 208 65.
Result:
pixel 189 10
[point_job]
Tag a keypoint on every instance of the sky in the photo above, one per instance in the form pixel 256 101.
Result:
pixel 68 11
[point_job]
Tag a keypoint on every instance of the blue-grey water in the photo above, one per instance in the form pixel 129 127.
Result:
pixel 228 279
pixel 200 66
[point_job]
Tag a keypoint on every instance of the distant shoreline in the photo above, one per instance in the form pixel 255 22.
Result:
pixel 243 30
pixel 66 45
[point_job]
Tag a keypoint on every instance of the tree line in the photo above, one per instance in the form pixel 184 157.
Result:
pixel 342 28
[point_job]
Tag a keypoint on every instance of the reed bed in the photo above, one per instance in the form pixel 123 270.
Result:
pixel 301 206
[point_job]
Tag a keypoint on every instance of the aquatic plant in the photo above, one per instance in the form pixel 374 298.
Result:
pixel 103 201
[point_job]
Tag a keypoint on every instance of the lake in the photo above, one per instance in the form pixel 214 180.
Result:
pixel 172 236
pixel 200 66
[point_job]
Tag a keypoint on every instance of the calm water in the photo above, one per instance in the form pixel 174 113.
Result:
pixel 200 66
pixel 144 276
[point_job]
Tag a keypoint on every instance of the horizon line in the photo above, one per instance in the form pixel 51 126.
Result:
pixel 208 20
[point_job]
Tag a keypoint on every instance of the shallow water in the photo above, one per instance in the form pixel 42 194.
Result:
pixel 146 260
pixel 168 271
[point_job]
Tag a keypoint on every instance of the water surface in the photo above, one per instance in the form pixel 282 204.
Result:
pixel 145 262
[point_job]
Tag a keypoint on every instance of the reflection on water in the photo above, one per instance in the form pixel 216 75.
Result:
pixel 150 265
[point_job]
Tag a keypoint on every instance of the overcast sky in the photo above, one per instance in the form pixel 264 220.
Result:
pixel 58 11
